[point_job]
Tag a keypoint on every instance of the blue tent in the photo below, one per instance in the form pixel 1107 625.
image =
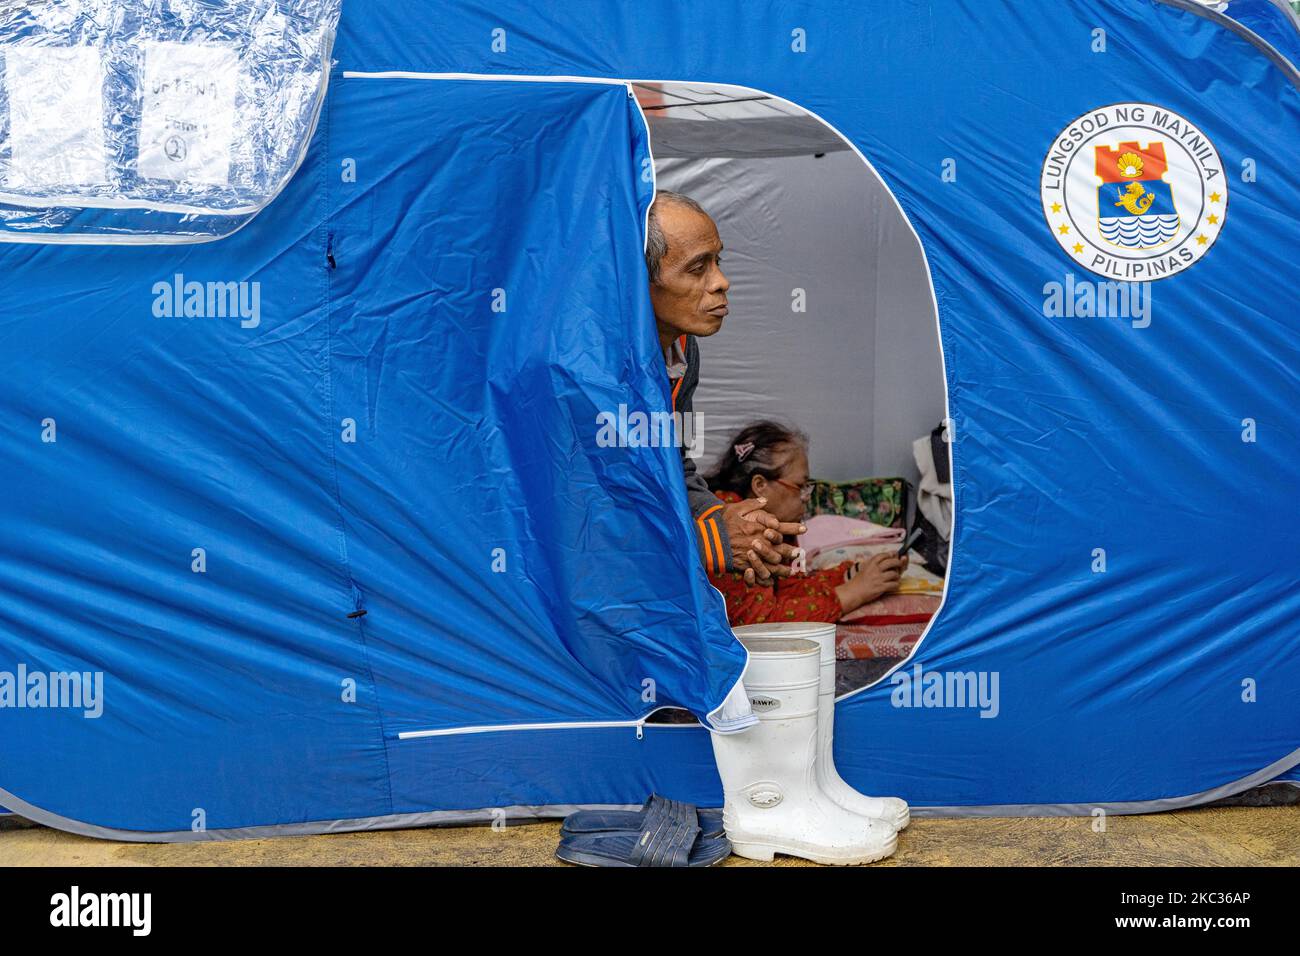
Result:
pixel 303 483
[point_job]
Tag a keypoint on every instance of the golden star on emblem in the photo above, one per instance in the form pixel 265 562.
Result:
pixel 1065 230
pixel 1056 207
pixel 1201 239
pixel 1214 197
pixel 1214 220
pixel 1078 247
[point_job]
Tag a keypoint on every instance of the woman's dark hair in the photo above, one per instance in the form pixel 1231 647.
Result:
pixel 760 448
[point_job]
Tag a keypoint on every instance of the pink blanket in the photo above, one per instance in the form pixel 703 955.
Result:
pixel 827 532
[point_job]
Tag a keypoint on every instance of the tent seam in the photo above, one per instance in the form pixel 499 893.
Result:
pixel 326 236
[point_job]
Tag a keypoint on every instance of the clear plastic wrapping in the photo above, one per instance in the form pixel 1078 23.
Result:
pixel 154 120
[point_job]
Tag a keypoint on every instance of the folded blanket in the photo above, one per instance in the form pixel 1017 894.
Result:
pixel 883 641
pixel 833 539
pixel 830 531
pixel 886 628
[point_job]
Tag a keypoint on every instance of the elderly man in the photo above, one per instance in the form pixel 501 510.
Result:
pixel 689 295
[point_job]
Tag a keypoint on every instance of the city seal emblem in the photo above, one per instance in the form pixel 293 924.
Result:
pixel 1134 192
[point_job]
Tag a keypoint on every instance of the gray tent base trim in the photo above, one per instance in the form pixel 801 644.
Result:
pixel 433 818
pixel 1257 779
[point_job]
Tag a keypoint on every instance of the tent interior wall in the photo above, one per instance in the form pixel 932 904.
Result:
pixel 833 327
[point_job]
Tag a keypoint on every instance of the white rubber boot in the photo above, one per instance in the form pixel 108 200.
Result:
pixel 891 810
pixel 769 772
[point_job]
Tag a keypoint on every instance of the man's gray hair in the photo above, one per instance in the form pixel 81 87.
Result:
pixel 656 244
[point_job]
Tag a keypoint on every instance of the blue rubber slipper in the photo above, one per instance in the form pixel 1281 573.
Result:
pixel 669 837
pixel 604 821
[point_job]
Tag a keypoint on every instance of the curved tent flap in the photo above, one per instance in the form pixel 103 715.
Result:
pixel 336 513
pixel 537 460
pixel 142 122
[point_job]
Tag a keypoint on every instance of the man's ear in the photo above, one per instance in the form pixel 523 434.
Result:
pixel 758 486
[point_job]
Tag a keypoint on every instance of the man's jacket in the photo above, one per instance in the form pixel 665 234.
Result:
pixel 706 509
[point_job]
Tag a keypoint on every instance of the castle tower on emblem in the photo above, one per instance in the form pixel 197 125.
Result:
pixel 1135 206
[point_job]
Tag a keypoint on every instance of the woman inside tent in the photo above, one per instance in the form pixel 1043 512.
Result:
pixel 769 461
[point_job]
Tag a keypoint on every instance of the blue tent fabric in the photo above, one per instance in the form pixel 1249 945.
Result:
pixel 499 472
pixel 331 460
pixel 247 696
pixel 1273 22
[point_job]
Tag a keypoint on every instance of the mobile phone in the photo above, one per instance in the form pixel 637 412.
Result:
pixel 911 540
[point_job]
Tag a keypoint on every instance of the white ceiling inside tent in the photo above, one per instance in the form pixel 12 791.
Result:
pixel 689 120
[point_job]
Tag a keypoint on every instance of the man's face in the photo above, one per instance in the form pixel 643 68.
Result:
pixel 690 295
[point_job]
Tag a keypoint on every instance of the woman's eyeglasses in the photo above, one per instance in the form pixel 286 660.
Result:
pixel 805 490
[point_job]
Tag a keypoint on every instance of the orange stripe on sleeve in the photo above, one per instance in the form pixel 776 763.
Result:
pixel 708 551
pixel 717 543
pixel 717 561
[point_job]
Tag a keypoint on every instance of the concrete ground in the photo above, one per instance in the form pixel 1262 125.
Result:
pixel 1215 836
